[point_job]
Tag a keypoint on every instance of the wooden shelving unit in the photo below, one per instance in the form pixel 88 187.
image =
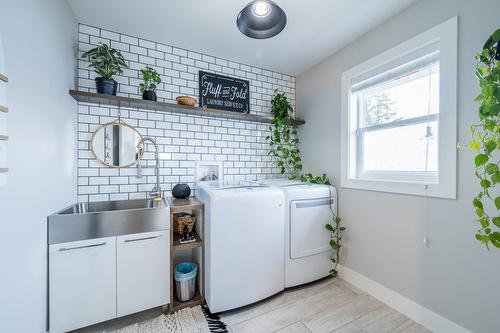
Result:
pixel 3 109
pixel 120 101
pixel 177 245
pixel 198 208
pixel 196 300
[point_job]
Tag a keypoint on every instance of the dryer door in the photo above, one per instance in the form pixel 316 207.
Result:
pixel 308 235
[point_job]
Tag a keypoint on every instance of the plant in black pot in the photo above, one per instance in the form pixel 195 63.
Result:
pixel 151 80
pixel 106 62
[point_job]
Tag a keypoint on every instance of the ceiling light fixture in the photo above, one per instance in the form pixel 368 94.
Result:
pixel 261 19
pixel 261 8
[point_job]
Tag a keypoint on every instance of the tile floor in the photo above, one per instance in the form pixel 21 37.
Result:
pixel 330 305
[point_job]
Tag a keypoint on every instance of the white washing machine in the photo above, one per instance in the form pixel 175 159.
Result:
pixel 244 247
pixel 307 242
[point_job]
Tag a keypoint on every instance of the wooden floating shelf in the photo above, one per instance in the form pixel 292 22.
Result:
pixel 3 170
pixel 4 138
pixel 4 78
pixel 120 101
pixel 177 245
pixel 4 109
pixel 196 300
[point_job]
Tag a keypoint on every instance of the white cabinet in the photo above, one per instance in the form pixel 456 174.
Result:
pixel 96 280
pixel 142 271
pixel 82 283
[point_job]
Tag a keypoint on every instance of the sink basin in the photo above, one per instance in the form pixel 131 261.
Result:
pixel 107 218
pixel 108 206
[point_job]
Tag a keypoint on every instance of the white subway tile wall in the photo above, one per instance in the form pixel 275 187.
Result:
pixel 182 139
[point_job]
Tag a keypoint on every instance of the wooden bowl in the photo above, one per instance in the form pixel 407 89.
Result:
pixel 186 100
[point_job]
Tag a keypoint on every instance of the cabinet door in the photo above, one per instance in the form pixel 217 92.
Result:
pixel 143 270
pixel 82 283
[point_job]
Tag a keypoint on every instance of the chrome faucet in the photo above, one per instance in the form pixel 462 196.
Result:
pixel 156 191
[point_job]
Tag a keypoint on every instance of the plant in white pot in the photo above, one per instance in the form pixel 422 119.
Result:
pixel 106 62
pixel 151 80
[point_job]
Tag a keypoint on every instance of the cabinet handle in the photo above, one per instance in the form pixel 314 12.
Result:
pixel 81 247
pixel 140 239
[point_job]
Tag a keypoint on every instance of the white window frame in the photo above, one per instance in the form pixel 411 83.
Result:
pixel 443 38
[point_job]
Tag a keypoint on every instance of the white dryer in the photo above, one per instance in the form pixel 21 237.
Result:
pixel 307 242
pixel 244 238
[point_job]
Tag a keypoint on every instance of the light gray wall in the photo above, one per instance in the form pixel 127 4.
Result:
pixel 455 277
pixel 39 40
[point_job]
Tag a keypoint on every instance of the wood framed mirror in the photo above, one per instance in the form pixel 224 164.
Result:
pixel 115 144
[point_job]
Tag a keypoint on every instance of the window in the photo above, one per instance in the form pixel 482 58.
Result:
pixel 399 118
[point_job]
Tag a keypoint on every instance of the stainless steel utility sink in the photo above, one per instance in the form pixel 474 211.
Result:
pixel 107 218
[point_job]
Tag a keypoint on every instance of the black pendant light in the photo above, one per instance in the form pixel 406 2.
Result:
pixel 261 19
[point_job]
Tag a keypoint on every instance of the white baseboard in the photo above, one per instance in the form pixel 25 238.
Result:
pixel 427 318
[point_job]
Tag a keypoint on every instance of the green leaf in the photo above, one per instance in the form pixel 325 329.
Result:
pixel 480 159
pixel 489 124
pixel 495 238
pixel 496 221
pixel 477 203
pixel 482 238
pixel 485 183
pixel 484 222
pixel 496 35
pixel 497 202
pixel 491 168
pixel 497 93
pixel 334 245
pixel 494 110
pixel 489 146
pixel 329 227
pixel 495 179
pixel 474 145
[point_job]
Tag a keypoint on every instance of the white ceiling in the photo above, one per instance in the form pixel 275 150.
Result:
pixel 315 28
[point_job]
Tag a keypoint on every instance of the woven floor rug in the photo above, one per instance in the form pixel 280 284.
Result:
pixel 189 320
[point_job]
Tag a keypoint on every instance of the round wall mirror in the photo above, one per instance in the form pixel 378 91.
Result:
pixel 115 144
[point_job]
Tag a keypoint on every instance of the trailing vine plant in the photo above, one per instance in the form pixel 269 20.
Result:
pixel 283 139
pixel 485 141
pixel 283 142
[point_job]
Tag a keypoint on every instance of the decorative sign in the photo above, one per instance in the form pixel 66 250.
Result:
pixel 224 93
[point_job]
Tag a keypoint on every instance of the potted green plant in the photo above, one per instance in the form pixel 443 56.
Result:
pixel 106 62
pixel 151 80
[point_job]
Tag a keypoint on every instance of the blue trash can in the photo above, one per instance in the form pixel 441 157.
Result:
pixel 185 280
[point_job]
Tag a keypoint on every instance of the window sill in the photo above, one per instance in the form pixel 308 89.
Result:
pixel 401 187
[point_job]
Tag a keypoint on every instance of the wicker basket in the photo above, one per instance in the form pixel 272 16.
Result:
pixel 186 100
pixel 183 220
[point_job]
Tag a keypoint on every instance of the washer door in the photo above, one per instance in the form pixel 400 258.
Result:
pixel 308 235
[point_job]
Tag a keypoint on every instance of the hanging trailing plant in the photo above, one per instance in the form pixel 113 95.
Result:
pixel 283 142
pixel 283 138
pixel 485 141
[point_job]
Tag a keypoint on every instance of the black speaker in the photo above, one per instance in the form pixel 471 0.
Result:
pixel 181 191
